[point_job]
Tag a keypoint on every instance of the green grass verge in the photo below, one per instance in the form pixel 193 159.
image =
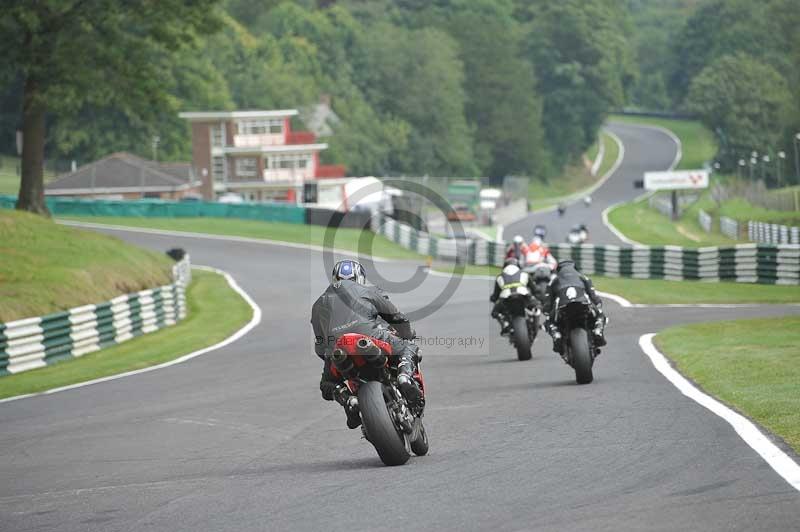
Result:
pixel 345 239
pixel 642 224
pixel 594 149
pixel 610 157
pixel 697 143
pixel 657 291
pixel 9 177
pixel 215 312
pixel 756 373
pixel 45 267
pixel 740 209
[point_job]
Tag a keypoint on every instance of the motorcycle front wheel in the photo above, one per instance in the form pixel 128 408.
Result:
pixel 378 424
pixel 522 341
pixel 581 357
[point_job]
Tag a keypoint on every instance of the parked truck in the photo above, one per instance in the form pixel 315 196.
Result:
pixel 464 197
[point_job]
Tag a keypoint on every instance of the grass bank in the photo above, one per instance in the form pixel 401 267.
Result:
pixel 697 142
pixel 756 373
pixel 45 267
pixel 215 312
pixel 740 209
pixel 637 221
pixel 345 239
pixel 657 291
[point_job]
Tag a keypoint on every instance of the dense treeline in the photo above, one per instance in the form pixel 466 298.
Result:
pixel 733 63
pixel 438 87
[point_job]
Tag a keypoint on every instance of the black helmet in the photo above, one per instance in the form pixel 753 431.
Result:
pixel 540 231
pixel 563 263
pixel 350 270
pixel 511 261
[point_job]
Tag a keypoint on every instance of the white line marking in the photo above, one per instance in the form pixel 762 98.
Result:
pixel 601 153
pixel 255 320
pixel 209 236
pixel 621 301
pixel 675 161
pixel 776 458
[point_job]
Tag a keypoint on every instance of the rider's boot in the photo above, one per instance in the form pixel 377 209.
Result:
pixel 599 328
pixel 350 404
pixel 405 378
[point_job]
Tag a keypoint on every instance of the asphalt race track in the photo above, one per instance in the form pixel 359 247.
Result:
pixel 239 439
pixel 646 149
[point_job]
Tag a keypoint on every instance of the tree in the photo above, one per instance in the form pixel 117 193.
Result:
pixel 502 101
pixel 744 101
pixel 415 75
pixel 584 66
pixel 72 53
pixel 717 28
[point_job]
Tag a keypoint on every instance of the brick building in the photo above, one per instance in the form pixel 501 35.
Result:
pixel 255 154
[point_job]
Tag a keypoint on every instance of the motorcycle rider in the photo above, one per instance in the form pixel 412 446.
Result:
pixel 538 253
pixel 349 305
pixel 515 280
pixel 517 249
pixel 568 276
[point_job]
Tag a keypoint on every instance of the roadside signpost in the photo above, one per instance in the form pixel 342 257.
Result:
pixel 676 180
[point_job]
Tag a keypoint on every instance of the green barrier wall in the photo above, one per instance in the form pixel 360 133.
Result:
pixel 270 212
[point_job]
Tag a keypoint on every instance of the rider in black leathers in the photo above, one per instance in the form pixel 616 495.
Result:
pixel 567 276
pixel 516 280
pixel 350 306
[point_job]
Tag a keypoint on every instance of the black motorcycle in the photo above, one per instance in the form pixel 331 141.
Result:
pixel 574 316
pixel 524 319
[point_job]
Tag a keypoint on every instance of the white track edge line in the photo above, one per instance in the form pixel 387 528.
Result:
pixel 779 461
pixel 211 236
pixel 255 320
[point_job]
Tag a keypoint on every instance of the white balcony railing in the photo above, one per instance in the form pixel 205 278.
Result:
pixel 250 141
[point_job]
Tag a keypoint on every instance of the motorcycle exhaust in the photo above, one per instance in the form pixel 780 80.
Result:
pixel 372 353
pixel 342 362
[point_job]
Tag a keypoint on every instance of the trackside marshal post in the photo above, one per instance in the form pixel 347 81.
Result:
pixel 674 181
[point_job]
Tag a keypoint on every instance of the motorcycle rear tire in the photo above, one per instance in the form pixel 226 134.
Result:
pixel 379 426
pixel 420 445
pixel 581 357
pixel 521 339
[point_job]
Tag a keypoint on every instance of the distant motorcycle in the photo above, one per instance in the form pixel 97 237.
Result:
pixel 574 317
pixel 388 422
pixel 578 235
pixel 524 318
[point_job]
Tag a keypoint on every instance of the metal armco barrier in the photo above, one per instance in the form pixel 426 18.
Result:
pixel 705 220
pixel 37 342
pixel 744 263
pixel 729 227
pixel 462 250
pixel 767 233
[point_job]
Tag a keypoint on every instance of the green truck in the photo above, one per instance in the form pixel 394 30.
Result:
pixel 464 197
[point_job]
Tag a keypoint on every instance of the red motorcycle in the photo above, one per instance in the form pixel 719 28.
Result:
pixel 388 421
